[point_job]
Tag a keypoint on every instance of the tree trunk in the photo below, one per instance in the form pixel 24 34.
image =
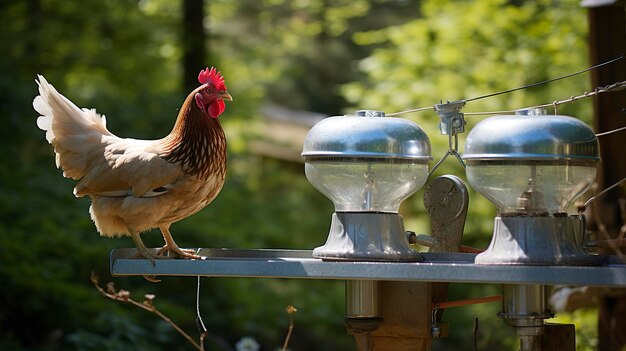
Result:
pixel 607 40
pixel 193 41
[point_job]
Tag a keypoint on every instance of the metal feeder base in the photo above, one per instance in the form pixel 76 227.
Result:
pixel 367 236
pixel 539 241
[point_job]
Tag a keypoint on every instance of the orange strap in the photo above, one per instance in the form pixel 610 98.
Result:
pixel 469 249
pixel 460 303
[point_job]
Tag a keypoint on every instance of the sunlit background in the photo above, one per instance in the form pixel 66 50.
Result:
pixel 287 64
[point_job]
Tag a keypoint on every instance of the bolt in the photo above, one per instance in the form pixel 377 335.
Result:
pixel 412 237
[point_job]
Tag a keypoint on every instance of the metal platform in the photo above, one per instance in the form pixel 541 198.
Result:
pixel 436 267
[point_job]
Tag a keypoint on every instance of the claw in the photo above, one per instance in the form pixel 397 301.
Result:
pixel 167 251
pixel 151 278
pixel 171 246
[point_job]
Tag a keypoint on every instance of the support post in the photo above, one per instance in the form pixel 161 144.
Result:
pixel 406 317
pixel 607 40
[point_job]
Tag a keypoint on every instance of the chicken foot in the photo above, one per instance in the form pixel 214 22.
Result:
pixel 171 247
pixel 142 249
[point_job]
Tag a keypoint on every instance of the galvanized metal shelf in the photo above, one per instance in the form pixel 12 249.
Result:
pixel 300 264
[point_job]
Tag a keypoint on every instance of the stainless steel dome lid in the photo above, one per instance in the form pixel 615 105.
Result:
pixel 532 137
pixel 369 134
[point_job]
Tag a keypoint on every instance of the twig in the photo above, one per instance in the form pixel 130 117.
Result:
pixel 602 193
pixel 147 305
pixel 622 230
pixel 602 229
pixel 475 333
pixel 291 310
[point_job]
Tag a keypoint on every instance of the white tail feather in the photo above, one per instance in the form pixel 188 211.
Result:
pixel 71 131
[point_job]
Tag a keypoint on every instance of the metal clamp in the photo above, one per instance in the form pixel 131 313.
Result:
pixel 452 123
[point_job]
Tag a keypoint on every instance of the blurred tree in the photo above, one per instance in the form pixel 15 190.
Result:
pixel 127 59
pixel 607 39
pixel 193 42
pixel 300 52
pixel 97 52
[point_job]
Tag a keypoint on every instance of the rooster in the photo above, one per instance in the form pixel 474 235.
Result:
pixel 137 185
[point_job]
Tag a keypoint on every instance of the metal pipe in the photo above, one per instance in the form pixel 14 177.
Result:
pixel 362 311
pixel 526 301
pixel 524 307
pixel 362 299
pixel 530 343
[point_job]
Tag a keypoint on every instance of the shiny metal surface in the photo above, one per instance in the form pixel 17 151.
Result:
pixel 524 307
pixel 531 137
pixel 524 304
pixel 452 120
pixel 436 267
pixel 537 241
pixel 362 299
pixel 366 236
pixel 367 136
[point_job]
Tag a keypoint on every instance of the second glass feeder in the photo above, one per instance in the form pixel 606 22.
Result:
pixel 532 166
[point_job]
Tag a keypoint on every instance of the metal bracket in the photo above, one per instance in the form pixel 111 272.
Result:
pixel 452 120
pixel 452 123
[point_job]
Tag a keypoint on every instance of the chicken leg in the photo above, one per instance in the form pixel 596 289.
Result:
pixel 143 251
pixel 141 247
pixel 171 247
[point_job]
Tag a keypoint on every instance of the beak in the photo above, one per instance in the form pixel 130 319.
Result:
pixel 225 96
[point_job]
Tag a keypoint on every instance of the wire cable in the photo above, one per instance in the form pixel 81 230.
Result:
pixel 199 321
pixel 599 90
pixel 546 81
pixel 554 104
pixel 611 132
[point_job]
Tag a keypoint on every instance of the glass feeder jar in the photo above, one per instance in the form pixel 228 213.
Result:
pixel 366 165
pixel 532 166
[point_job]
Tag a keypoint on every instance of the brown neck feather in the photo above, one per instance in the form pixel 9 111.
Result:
pixel 197 141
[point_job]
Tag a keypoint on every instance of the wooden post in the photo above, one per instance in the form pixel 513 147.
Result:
pixel 607 40
pixel 406 310
pixel 560 337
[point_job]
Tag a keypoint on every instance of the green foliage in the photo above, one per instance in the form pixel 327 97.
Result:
pixel 123 58
pixel 459 50
pixel 299 52
pixel 586 322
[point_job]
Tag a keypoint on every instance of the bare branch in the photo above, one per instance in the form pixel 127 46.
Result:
pixel 147 305
pixel 291 310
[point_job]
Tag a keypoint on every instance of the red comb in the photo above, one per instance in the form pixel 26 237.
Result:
pixel 212 76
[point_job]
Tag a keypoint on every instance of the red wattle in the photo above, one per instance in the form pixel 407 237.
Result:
pixel 217 108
